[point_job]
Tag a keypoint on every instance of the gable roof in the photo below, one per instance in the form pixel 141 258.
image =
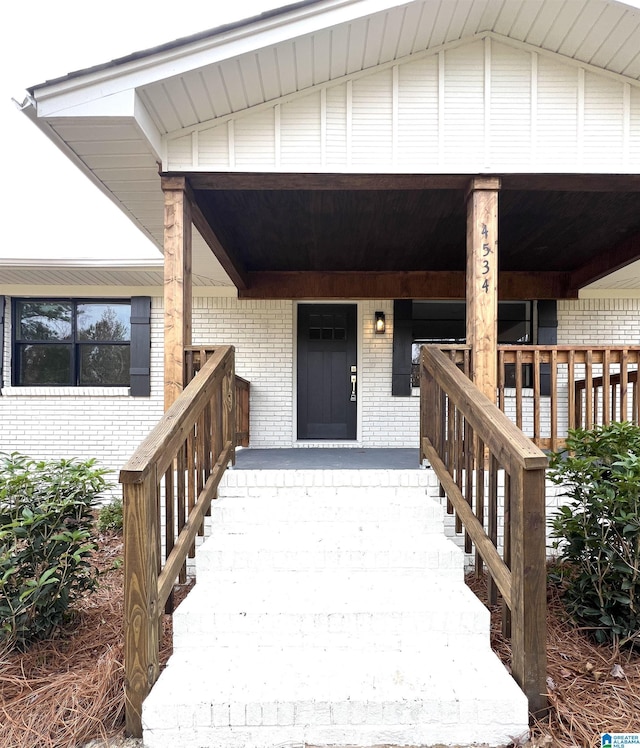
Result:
pixel 115 120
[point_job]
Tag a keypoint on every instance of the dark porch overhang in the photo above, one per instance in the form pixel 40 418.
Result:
pixel 403 236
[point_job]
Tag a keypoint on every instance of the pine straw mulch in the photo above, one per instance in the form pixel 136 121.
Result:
pixel 591 688
pixel 67 691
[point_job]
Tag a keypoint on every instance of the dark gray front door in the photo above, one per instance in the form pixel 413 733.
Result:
pixel 327 349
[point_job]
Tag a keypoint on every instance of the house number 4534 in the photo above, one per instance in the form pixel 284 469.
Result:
pixel 486 261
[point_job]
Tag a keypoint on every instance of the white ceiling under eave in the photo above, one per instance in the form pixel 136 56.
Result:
pixel 111 119
pixel 605 35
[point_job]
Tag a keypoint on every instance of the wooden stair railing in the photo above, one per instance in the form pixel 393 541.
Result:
pixel 472 445
pixel 168 485
pixel 195 356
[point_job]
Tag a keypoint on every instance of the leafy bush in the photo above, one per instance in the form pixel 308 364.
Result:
pixel 46 518
pixel 110 517
pixel 598 532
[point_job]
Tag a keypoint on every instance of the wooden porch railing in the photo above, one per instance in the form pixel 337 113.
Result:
pixel 549 389
pixel 168 485
pixel 472 445
pixel 194 358
pixel 607 398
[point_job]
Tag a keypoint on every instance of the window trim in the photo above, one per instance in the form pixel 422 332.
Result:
pixel 139 344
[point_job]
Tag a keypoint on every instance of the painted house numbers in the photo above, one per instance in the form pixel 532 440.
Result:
pixel 486 274
pixel 482 280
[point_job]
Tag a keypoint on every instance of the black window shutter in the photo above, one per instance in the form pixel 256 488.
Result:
pixel 140 371
pixel 547 335
pixel 402 340
pixel 2 307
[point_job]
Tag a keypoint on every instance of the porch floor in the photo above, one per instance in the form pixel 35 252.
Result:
pixel 329 458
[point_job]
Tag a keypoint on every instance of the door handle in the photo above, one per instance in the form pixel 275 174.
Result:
pixel 353 389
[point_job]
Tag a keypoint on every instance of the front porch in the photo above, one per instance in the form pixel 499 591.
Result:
pixel 317 458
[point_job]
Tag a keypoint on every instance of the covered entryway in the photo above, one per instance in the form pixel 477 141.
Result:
pixel 327 371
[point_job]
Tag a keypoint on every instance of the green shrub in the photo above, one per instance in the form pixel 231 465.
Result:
pixel 598 531
pixel 46 518
pixel 110 517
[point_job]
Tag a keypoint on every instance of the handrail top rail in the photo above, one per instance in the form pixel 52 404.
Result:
pixel 178 418
pixel 539 347
pixel 485 417
pixel 614 380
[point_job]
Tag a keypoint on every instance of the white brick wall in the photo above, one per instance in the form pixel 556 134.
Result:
pixel 85 422
pixel 387 421
pixel 52 422
pixel 262 333
pixel 599 322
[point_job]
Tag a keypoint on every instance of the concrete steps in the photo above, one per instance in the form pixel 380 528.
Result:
pixel 331 615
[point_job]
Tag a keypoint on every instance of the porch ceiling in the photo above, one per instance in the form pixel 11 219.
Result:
pixel 574 236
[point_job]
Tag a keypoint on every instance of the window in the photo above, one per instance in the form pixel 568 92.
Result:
pixel 416 322
pixel 444 322
pixel 64 342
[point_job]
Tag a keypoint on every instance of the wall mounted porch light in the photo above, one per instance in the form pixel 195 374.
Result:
pixel 380 325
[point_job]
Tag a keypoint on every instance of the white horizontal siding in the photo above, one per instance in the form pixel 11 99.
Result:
pixel 633 151
pixel 336 143
pixel 464 108
pixel 510 113
pixel 557 125
pixel 213 148
pixel 300 125
pixel 180 154
pixel 255 142
pixel 417 139
pixel 603 123
pixel 372 131
pixel 484 106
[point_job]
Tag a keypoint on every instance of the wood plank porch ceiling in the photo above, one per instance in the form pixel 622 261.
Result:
pixel 556 234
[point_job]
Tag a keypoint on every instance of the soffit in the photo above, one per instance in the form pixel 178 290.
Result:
pixel 603 34
pixel 43 274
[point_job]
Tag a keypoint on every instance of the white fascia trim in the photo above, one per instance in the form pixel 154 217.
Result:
pixel 147 127
pixel 117 104
pixel 123 106
pixel 81 89
pixel 84 262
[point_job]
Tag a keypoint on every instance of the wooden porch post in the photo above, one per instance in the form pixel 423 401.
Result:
pixel 482 281
pixel 177 283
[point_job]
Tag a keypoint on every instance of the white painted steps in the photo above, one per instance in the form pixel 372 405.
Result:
pixel 331 615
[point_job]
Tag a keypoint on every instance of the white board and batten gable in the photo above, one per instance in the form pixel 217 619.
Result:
pixel 485 105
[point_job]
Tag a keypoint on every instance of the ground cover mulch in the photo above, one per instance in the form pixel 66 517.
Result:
pixel 591 688
pixel 68 691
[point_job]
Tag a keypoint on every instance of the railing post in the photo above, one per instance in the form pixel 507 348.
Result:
pixel 528 567
pixel 141 611
pixel 229 405
pixel 427 407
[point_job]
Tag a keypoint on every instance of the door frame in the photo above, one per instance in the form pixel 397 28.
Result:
pixel 357 442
